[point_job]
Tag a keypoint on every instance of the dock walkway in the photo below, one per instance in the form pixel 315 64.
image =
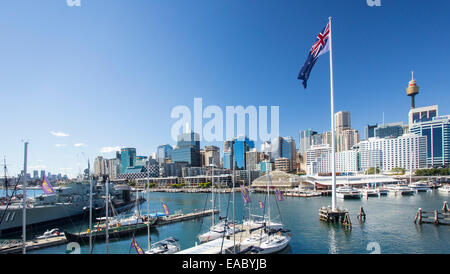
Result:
pixel 32 245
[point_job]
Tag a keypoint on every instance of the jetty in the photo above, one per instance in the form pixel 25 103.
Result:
pixel 433 217
pixel 184 217
pixel 329 215
pixel 16 246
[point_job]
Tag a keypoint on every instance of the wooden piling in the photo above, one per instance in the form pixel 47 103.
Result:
pixel 445 207
pixel 362 214
pixel 418 218
pixel 347 222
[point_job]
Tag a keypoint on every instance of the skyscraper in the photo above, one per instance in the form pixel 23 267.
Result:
pixel 240 147
pixel 342 120
pixel 100 166
pixel 370 131
pixel 127 158
pixel 347 138
pixel 187 150
pixel 306 140
pixel 164 153
pixel 252 159
pixel 212 156
pixel 235 152
pixel 288 150
pixel 437 132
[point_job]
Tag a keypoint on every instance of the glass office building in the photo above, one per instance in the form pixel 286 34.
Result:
pixel 164 153
pixel 235 152
pixel 288 150
pixel 187 150
pixel 240 147
pixel 127 158
pixel 437 131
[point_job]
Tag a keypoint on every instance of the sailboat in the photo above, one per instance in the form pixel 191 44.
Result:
pixel 220 229
pixel 167 246
pixel 268 240
pixel 118 226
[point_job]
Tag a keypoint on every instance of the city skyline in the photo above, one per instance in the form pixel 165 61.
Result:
pixel 128 75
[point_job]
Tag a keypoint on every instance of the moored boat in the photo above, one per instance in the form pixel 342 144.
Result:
pixel 420 186
pixel 444 189
pixel 400 189
pixel 115 231
pixel 348 192
pixel 166 246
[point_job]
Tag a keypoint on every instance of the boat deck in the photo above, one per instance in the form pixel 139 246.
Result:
pixel 222 245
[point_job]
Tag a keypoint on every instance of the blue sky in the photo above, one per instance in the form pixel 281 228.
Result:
pixel 108 73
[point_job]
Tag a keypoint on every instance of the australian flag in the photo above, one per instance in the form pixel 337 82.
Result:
pixel 320 47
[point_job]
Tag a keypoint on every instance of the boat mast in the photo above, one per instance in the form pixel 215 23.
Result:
pixel 148 205
pixel 268 196
pixel 90 207
pixel 6 179
pixel 107 214
pixel 234 217
pixel 249 179
pixel 24 200
pixel 212 197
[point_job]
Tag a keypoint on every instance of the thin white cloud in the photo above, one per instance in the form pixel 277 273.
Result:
pixel 109 149
pixel 60 145
pixel 79 145
pixel 59 134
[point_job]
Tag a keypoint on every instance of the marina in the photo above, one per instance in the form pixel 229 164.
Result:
pixel 395 232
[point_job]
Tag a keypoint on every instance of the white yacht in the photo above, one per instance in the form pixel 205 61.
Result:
pixel 444 188
pixel 166 246
pixel 400 190
pixel 383 191
pixel 219 230
pixel 50 234
pixel 420 186
pixel 370 192
pixel 267 242
pixel 259 221
pixel 348 192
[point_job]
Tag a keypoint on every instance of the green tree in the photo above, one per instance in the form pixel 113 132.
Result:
pixel 372 170
pixel 398 171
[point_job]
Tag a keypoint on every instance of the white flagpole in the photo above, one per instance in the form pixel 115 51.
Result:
pixel 333 139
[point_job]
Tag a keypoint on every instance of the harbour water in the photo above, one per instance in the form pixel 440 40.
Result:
pixel 389 226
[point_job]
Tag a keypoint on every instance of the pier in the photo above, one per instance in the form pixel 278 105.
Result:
pixel 11 247
pixel 184 217
pixel 433 217
pixel 335 216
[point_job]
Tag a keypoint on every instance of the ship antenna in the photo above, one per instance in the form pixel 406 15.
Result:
pixel 6 177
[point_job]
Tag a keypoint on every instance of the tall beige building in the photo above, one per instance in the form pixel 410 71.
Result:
pixel 326 138
pixel 342 120
pixel 346 137
pixel 211 156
